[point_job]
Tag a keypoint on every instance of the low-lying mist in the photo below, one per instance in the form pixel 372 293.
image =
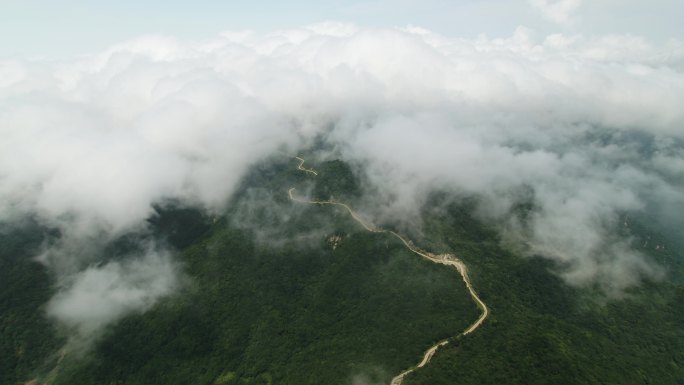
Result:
pixel 586 128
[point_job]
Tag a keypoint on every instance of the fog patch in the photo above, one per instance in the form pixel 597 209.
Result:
pixel 370 376
pixel 592 126
pixel 276 221
pixel 100 295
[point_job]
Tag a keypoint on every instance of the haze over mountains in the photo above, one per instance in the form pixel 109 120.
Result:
pixel 584 132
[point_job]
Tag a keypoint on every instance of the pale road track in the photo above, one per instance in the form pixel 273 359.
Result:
pixel 443 259
pixel 306 170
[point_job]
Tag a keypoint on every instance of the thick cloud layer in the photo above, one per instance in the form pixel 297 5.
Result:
pixel 588 127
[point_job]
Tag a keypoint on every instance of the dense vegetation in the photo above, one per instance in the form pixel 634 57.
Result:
pixel 27 338
pixel 297 307
pixel 273 296
pixel 543 332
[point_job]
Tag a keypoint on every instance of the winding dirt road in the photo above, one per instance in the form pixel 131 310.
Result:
pixel 443 259
pixel 306 170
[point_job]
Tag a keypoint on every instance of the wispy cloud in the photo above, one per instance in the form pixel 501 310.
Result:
pixel 101 295
pixel 588 125
pixel 558 11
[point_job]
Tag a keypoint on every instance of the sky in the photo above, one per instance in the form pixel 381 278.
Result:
pixel 571 105
pixel 69 27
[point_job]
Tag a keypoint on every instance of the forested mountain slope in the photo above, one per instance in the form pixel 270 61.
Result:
pixel 279 292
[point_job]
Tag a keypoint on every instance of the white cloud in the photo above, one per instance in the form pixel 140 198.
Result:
pixel 101 295
pixel 558 11
pixel 89 144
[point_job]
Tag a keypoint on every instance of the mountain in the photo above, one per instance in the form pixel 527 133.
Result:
pixel 280 291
